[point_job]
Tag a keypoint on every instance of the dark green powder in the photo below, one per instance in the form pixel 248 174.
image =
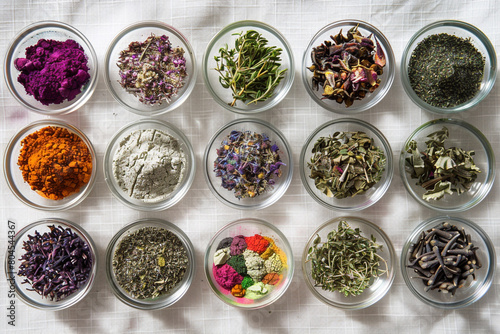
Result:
pixel 238 264
pixel 445 70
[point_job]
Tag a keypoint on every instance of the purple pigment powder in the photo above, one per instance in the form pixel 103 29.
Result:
pixel 238 245
pixel 53 71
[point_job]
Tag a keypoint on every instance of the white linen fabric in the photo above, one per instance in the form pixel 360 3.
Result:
pixel 200 214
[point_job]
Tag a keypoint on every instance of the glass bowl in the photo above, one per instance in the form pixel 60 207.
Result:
pixel 459 29
pixel 139 32
pixel 22 189
pixel 357 202
pixel 380 285
pixel 223 96
pixel 386 79
pixel 15 251
pixel 249 227
pixel 461 135
pixel 168 199
pixel 29 36
pixel 171 296
pixel 228 196
pixel 466 295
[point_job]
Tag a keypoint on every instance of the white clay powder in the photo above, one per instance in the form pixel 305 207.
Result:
pixel 149 165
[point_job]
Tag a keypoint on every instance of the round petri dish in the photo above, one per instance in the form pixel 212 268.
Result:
pixel 370 99
pixel 266 198
pixel 12 263
pixel 166 200
pixel 462 30
pixel 22 190
pixel 164 300
pixel 461 135
pixel 139 32
pixel 249 227
pixel 359 201
pixel 379 286
pixel 30 35
pixel 470 292
pixel 226 37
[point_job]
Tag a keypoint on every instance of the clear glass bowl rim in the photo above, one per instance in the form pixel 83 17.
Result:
pixel 189 275
pixel 181 191
pixel 339 108
pixel 9 151
pixel 288 152
pixel 88 47
pixel 489 154
pixel 481 37
pixel 389 166
pixel 490 251
pixel 67 302
pixel 287 50
pixel 159 25
pixel 209 261
pixel 392 269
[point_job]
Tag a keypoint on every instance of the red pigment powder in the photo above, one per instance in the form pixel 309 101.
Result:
pixel 257 243
pixel 53 71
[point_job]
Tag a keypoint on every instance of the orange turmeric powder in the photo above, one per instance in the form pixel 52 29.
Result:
pixel 55 162
pixel 238 291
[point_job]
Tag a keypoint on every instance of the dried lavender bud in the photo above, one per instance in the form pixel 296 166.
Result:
pixel 56 263
pixel 247 163
pixel 153 70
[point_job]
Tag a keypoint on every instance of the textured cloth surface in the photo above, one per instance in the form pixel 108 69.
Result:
pixel 200 214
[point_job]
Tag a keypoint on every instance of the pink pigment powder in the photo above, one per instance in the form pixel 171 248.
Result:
pixel 53 71
pixel 226 276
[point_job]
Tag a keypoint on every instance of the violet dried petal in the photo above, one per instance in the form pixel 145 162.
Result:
pixel 49 258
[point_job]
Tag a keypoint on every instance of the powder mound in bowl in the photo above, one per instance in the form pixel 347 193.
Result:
pixel 149 165
pixel 53 71
pixel 55 162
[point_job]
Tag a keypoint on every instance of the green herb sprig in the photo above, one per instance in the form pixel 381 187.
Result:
pixel 346 262
pixel 251 70
pixel 441 170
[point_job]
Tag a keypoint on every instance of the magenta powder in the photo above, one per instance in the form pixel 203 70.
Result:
pixel 53 71
pixel 226 276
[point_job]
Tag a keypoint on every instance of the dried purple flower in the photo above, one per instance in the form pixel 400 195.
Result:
pixel 153 70
pixel 246 163
pixel 56 263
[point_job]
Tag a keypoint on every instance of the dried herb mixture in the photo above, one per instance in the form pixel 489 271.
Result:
pixel 349 68
pixel 247 163
pixel 346 164
pixel 346 262
pixel 153 70
pixel 441 170
pixel 445 70
pixel 150 262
